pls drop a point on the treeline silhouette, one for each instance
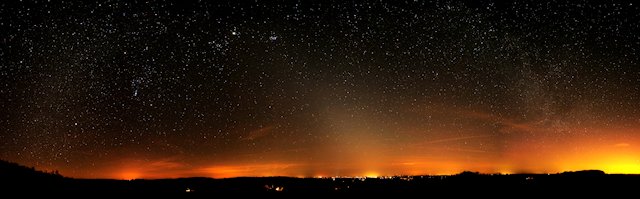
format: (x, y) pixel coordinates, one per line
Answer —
(17, 178)
(10, 170)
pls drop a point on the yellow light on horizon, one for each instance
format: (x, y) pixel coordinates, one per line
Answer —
(611, 162)
(624, 166)
(371, 175)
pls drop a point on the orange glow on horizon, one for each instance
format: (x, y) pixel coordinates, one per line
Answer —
(256, 170)
(129, 175)
(609, 164)
(615, 155)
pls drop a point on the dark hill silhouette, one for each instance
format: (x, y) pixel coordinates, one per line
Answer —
(17, 178)
(10, 170)
(585, 173)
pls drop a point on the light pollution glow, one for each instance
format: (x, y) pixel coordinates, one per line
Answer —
(617, 155)
(463, 140)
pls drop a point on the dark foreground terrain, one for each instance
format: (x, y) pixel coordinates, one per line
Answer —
(16, 178)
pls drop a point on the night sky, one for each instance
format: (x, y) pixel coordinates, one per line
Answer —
(223, 89)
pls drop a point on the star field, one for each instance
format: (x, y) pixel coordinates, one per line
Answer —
(138, 89)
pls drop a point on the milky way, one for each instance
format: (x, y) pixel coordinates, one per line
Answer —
(224, 89)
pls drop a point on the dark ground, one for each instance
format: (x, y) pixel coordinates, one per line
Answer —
(16, 178)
